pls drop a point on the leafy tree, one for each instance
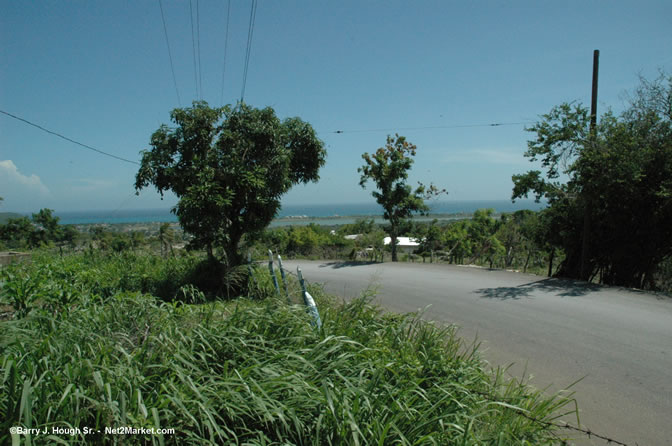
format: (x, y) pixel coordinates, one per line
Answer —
(371, 243)
(68, 236)
(388, 168)
(360, 226)
(138, 239)
(101, 237)
(275, 239)
(302, 240)
(457, 240)
(49, 223)
(41, 229)
(120, 242)
(431, 238)
(481, 230)
(229, 167)
(619, 178)
(16, 232)
(515, 240)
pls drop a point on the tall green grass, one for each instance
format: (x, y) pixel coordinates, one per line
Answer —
(255, 373)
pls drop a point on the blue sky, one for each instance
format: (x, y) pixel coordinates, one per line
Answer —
(98, 72)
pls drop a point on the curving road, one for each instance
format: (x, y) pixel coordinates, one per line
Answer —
(618, 342)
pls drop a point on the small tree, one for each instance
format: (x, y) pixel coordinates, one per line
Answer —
(388, 169)
(481, 230)
(229, 167)
(431, 238)
(49, 223)
(16, 233)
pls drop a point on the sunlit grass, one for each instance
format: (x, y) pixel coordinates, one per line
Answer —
(250, 372)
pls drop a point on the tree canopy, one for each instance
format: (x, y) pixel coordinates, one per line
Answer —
(229, 167)
(388, 168)
(620, 174)
(40, 230)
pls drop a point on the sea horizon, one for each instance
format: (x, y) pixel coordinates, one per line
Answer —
(287, 212)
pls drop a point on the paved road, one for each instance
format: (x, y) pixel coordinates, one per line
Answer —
(618, 341)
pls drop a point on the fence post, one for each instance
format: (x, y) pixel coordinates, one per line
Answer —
(284, 278)
(308, 300)
(270, 268)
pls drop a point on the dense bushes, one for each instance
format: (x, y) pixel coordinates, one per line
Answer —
(249, 372)
(305, 241)
(508, 241)
(54, 280)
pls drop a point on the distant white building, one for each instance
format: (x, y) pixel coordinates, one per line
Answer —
(405, 244)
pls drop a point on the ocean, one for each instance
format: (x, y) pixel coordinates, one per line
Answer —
(301, 213)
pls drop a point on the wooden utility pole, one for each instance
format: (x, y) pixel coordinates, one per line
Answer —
(593, 98)
(585, 245)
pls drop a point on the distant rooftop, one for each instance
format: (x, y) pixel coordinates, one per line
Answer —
(403, 241)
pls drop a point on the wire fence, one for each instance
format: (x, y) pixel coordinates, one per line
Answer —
(563, 425)
(308, 300)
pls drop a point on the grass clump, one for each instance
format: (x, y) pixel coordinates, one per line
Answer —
(256, 373)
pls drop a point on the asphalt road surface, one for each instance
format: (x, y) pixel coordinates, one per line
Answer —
(618, 342)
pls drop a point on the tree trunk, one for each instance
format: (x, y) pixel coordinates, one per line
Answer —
(527, 261)
(550, 263)
(509, 256)
(233, 257)
(393, 242)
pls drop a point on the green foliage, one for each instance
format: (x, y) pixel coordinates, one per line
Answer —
(611, 217)
(41, 230)
(481, 231)
(229, 167)
(303, 241)
(519, 240)
(252, 373)
(105, 240)
(388, 168)
(166, 238)
(17, 233)
(360, 226)
(52, 280)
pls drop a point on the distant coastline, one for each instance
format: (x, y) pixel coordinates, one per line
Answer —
(303, 214)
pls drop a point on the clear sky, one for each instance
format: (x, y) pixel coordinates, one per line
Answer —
(99, 72)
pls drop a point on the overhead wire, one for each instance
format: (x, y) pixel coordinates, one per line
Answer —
(86, 146)
(250, 33)
(454, 126)
(226, 44)
(170, 55)
(193, 47)
(494, 124)
(198, 48)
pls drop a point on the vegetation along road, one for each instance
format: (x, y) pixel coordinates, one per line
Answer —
(618, 341)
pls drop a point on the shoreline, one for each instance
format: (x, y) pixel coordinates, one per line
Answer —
(295, 220)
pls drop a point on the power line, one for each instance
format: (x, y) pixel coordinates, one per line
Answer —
(198, 40)
(226, 44)
(170, 56)
(193, 47)
(250, 33)
(70, 140)
(455, 126)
